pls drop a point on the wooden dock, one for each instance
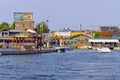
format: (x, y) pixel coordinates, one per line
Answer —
(25, 52)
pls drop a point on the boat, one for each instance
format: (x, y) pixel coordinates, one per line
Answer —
(60, 49)
(69, 48)
(103, 49)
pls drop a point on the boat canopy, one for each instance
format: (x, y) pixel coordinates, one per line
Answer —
(104, 40)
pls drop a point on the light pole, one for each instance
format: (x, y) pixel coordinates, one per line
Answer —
(41, 37)
(48, 36)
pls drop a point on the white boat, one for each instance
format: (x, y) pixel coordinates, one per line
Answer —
(104, 49)
(59, 49)
(69, 48)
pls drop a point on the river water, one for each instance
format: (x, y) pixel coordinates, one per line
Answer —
(72, 65)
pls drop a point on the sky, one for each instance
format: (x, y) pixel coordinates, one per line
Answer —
(65, 13)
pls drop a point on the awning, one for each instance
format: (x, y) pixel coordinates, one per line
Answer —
(22, 35)
(104, 40)
(31, 31)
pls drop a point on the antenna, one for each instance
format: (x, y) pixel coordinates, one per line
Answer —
(80, 27)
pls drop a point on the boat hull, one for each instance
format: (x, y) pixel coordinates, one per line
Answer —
(104, 50)
(60, 49)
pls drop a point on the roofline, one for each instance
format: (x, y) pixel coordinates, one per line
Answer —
(104, 40)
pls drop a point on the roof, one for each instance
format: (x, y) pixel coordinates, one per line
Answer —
(104, 40)
(71, 37)
(6, 38)
(116, 37)
(104, 37)
(14, 30)
(109, 28)
(113, 29)
(22, 35)
(4, 30)
(26, 34)
(66, 29)
(31, 31)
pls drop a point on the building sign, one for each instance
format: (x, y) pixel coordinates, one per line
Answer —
(63, 33)
(23, 16)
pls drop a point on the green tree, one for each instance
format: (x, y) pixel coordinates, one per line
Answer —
(13, 26)
(95, 34)
(4, 25)
(42, 27)
(38, 28)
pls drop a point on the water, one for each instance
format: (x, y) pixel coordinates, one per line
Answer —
(72, 65)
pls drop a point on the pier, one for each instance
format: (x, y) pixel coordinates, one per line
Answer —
(25, 52)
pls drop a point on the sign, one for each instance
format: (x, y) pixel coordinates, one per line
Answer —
(23, 16)
(18, 16)
(63, 33)
(27, 16)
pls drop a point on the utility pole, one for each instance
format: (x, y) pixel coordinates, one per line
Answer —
(41, 36)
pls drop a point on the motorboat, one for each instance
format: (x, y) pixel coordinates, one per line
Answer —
(60, 49)
(104, 49)
(69, 48)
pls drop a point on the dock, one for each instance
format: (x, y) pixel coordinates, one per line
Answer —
(25, 52)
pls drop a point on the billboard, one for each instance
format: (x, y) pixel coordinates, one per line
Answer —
(23, 16)
(27, 16)
(18, 16)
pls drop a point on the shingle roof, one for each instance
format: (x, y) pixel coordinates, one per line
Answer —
(113, 29)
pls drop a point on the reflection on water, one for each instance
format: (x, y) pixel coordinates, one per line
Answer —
(72, 65)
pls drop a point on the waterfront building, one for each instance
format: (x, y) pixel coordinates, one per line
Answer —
(107, 36)
(20, 39)
(4, 33)
(23, 21)
(24, 25)
(79, 41)
(76, 32)
(75, 38)
(66, 33)
(109, 31)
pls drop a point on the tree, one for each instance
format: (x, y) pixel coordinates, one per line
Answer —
(42, 27)
(4, 25)
(13, 26)
(95, 34)
(38, 28)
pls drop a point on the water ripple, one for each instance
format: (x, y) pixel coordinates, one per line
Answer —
(72, 65)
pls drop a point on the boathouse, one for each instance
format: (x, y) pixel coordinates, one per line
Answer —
(79, 41)
(111, 43)
(21, 40)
